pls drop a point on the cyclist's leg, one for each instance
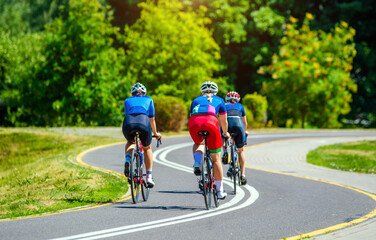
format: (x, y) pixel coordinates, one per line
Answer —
(146, 139)
(195, 125)
(127, 129)
(148, 159)
(224, 150)
(214, 143)
(241, 156)
(240, 141)
(217, 166)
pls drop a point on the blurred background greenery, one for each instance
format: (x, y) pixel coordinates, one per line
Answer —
(295, 63)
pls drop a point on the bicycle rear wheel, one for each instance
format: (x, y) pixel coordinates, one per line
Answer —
(144, 189)
(214, 190)
(206, 191)
(134, 177)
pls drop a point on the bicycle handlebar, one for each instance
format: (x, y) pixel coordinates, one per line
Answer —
(159, 141)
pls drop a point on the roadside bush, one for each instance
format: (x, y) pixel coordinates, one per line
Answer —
(258, 105)
(170, 113)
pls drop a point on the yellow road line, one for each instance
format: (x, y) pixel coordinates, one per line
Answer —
(331, 228)
(310, 234)
(81, 163)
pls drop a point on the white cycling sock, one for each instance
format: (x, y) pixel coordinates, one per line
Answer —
(197, 156)
(148, 174)
(219, 185)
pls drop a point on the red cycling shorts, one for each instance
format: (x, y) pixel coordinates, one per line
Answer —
(208, 123)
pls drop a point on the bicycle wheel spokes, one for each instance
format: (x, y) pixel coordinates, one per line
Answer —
(238, 171)
(134, 176)
(233, 166)
(210, 181)
(213, 188)
(205, 183)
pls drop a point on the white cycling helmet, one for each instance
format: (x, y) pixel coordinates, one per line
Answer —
(209, 87)
(138, 87)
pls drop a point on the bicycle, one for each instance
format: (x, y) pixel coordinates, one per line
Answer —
(206, 180)
(234, 162)
(137, 172)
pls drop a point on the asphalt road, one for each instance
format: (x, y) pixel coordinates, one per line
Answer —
(271, 206)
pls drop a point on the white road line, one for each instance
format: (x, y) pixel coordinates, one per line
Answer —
(160, 157)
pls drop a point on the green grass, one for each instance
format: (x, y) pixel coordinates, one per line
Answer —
(355, 156)
(36, 176)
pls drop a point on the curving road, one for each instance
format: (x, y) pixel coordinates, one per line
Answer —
(275, 204)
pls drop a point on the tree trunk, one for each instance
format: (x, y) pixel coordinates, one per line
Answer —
(303, 118)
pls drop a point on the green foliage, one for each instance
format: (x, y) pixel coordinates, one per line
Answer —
(20, 17)
(311, 74)
(11, 17)
(177, 51)
(82, 81)
(229, 20)
(258, 105)
(170, 113)
(20, 58)
(267, 20)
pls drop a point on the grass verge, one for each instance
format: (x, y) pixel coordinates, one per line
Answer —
(36, 176)
(354, 156)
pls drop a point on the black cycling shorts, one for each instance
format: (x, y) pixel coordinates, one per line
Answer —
(140, 123)
(235, 126)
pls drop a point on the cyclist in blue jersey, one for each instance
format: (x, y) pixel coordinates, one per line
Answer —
(203, 112)
(139, 116)
(237, 124)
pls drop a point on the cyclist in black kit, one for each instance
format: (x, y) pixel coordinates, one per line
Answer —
(237, 124)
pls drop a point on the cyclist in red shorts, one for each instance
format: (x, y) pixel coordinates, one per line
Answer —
(203, 112)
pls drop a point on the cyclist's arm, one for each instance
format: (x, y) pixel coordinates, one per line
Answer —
(223, 123)
(244, 119)
(153, 126)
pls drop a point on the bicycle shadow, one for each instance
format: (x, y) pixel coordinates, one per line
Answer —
(180, 192)
(166, 208)
(139, 205)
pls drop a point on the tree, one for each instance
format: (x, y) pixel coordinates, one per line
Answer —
(311, 80)
(25, 16)
(170, 45)
(361, 16)
(82, 79)
(20, 58)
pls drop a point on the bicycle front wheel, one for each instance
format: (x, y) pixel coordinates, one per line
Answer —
(134, 177)
(233, 166)
(238, 171)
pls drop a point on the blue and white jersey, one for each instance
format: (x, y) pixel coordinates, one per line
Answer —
(208, 106)
(235, 110)
(139, 104)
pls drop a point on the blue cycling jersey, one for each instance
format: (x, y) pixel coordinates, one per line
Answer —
(235, 109)
(208, 105)
(139, 104)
